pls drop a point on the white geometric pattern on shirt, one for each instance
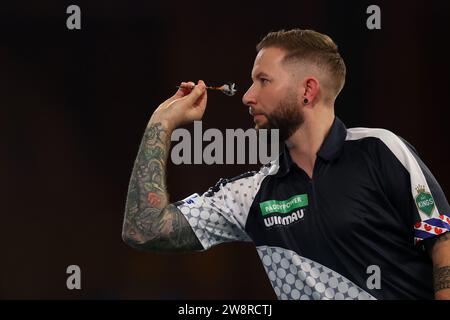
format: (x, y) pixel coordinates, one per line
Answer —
(210, 227)
(221, 217)
(297, 278)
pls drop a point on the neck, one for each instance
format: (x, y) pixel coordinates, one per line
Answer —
(304, 144)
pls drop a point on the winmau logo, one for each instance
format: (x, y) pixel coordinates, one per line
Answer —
(278, 209)
(277, 220)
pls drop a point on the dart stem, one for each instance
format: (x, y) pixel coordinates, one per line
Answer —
(212, 88)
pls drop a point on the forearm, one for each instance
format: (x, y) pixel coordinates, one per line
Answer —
(441, 269)
(442, 282)
(150, 222)
(147, 191)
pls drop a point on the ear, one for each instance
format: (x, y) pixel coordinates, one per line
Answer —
(310, 91)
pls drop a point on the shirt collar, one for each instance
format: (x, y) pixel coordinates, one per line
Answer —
(330, 149)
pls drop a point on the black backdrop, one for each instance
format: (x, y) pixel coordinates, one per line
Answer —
(74, 105)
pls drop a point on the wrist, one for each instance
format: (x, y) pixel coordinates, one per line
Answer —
(166, 123)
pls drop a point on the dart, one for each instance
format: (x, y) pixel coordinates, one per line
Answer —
(229, 88)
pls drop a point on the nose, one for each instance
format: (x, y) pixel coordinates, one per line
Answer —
(248, 98)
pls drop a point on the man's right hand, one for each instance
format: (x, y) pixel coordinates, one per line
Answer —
(185, 106)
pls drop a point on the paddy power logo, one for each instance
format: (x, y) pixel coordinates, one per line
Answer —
(284, 212)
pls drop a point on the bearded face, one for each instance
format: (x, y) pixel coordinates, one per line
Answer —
(287, 117)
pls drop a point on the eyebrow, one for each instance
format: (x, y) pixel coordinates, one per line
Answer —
(261, 74)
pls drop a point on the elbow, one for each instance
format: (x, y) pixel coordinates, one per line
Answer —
(131, 240)
(131, 236)
(139, 242)
(128, 239)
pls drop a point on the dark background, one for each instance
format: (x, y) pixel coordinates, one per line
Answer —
(74, 106)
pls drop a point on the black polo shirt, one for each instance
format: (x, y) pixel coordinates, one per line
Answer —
(353, 231)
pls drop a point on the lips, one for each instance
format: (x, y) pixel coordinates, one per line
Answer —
(252, 112)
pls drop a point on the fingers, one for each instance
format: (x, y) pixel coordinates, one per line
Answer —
(184, 91)
(198, 90)
(187, 86)
(202, 83)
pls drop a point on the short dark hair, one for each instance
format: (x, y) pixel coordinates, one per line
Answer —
(310, 45)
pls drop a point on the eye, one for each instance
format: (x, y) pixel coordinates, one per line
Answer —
(264, 80)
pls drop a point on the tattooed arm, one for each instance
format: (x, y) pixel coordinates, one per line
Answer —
(150, 222)
(440, 254)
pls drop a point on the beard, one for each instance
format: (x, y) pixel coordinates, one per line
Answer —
(287, 116)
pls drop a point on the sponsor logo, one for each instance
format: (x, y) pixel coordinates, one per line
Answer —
(424, 200)
(284, 212)
(286, 220)
(283, 206)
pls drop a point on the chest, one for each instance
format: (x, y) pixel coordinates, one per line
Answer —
(298, 212)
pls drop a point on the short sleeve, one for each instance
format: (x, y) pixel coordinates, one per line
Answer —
(219, 215)
(432, 205)
(415, 188)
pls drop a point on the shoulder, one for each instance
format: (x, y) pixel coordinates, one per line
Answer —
(381, 143)
(228, 182)
(248, 180)
(370, 137)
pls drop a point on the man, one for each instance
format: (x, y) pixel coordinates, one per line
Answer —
(340, 214)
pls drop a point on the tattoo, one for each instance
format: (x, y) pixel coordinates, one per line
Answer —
(150, 222)
(441, 278)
